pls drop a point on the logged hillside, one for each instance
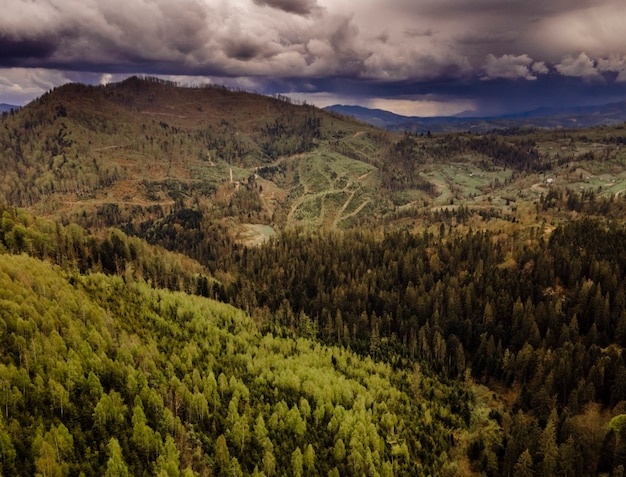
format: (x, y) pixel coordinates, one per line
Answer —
(147, 155)
(148, 147)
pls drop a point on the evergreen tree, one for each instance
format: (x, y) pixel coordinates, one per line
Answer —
(548, 447)
(297, 463)
(116, 467)
(524, 465)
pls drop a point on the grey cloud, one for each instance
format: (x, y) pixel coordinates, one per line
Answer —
(188, 36)
(112, 32)
(403, 46)
(20, 49)
(300, 7)
(486, 37)
(580, 67)
(509, 67)
(242, 50)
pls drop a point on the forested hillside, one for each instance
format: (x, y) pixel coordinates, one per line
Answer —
(197, 281)
(105, 376)
(545, 320)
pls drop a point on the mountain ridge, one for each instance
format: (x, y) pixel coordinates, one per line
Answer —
(147, 143)
(570, 117)
(5, 108)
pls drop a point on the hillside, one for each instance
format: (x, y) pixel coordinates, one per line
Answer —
(148, 154)
(149, 145)
(351, 302)
(101, 376)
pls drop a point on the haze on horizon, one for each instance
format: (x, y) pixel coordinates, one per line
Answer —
(424, 58)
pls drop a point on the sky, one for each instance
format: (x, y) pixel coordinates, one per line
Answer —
(412, 57)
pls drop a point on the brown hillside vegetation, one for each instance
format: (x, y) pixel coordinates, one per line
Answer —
(146, 143)
(145, 149)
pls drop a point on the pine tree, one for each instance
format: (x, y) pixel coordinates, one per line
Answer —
(524, 465)
(309, 459)
(222, 455)
(297, 463)
(548, 447)
(168, 464)
(116, 467)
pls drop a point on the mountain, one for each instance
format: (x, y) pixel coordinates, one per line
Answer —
(151, 145)
(376, 117)
(574, 117)
(154, 156)
(468, 113)
(198, 281)
(7, 107)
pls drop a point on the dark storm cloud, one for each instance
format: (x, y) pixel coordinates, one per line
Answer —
(319, 38)
(18, 50)
(242, 50)
(301, 7)
(487, 37)
(398, 48)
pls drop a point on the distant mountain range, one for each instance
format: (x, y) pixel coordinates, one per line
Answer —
(7, 107)
(574, 117)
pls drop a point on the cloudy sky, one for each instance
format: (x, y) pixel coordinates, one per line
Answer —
(414, 57)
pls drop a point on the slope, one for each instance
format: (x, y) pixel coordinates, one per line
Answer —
(98, 374)
(148, 145)
(157, 160)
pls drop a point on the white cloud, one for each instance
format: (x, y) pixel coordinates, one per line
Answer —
(20, 85)
(581, 67)
(614, 64)
(540, 68)
(106, 78)
(509, 67)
